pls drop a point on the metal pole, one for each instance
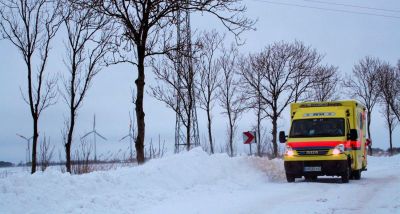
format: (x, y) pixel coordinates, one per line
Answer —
(250, 150)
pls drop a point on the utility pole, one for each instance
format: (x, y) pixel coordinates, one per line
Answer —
(184, 65)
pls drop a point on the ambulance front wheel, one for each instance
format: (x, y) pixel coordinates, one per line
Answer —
(346, 175)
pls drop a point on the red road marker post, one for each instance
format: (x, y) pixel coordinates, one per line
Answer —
(249, 138)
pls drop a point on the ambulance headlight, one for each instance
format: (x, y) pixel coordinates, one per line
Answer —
(339, 149)
(289, 151)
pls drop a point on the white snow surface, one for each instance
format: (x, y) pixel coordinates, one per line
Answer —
(195, 182)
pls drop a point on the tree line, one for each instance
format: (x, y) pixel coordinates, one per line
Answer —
(376, 82)
(141, 33)
(98, 33)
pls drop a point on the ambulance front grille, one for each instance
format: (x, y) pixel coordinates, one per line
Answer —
(312, 151)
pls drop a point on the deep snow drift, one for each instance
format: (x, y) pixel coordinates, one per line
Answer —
(194, 182)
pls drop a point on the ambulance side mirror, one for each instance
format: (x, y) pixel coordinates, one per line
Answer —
(282, 137)
(353, 135)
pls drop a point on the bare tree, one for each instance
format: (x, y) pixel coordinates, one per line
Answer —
(46, 153)
(143, 23)
(387, 85)
(209, 68)
(156, 151)
(30, 26)
(363, 86)
(304, 75)
(230, 99)
(82, 163)
(251, 87)
(395, 97)
(278, 67)
(87, 44)
(324, 84)
(391, 123)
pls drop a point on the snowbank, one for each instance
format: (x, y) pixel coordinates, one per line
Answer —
(192, 175)
(194, 182)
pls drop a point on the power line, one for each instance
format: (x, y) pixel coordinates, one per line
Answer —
(328, 9)
(353, 6)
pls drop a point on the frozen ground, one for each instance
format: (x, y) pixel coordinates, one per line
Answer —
(194, 182)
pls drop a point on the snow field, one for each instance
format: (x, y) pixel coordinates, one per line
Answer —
(130, 189)
(194, 182)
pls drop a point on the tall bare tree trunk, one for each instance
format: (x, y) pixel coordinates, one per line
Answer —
(390, 128)
(139, 144)
(274, 135)
(231, 137)
(34, 143)
(35, 117)
(258, 136)
(188, 128)
(71, 127)
(209, 131)
(69, 140)
(391, 140)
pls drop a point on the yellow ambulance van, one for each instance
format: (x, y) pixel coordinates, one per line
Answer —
(326, 138)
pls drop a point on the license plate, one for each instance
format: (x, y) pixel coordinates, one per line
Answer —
(312, 169)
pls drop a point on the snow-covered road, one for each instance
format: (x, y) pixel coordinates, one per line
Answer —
(194, 182)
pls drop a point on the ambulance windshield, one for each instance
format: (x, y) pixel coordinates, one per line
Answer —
(318, 127)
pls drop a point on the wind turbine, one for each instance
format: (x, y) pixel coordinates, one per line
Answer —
(130, 135)
(95, 133)
(28, 149)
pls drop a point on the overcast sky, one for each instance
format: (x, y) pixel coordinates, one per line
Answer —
(343, 34)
